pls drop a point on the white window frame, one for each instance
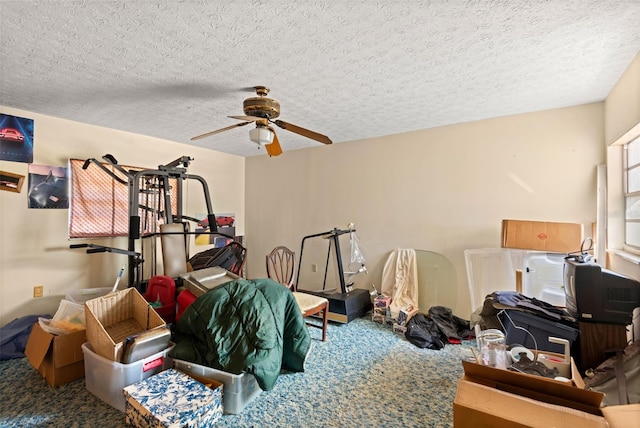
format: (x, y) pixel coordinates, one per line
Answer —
(629, 170)
(627, 258)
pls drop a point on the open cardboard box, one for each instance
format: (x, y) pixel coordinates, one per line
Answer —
(58, 359)
(490, 397)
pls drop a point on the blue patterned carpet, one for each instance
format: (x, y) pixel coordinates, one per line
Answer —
(364, 375)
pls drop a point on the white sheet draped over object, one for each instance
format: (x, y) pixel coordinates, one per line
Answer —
(400, 280)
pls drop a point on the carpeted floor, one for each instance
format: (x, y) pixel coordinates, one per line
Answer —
(364, 375)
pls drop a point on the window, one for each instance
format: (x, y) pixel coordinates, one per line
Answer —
(99, 204)
(631, 165)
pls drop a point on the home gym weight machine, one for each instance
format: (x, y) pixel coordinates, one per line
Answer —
(154, 185)
(349, 303)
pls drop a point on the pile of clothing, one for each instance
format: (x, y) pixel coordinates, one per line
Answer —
(437, 327)
(487, 315)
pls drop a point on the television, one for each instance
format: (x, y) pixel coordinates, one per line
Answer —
(595, 294)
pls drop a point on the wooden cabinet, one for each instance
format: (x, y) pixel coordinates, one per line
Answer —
(596, 339)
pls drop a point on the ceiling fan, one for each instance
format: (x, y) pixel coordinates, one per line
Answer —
(263, 111)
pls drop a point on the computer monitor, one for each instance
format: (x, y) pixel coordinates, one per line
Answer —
(595, 294)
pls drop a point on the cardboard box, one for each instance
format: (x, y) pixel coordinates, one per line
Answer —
(541, 236)
(477, 405)
(623, 416)
(116, 316)
(490, 397)
(191, 403)
(59, 359)
(405, 314)
(382, 301)
(536, 387)
(381, 316)
(399, 329)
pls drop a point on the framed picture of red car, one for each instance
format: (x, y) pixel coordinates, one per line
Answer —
(225, 223)
(11, 182)
(16, 138)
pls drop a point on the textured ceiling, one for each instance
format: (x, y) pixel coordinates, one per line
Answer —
(350, 69)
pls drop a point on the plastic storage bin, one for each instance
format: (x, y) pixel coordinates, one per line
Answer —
(238, 390)
(106, 379)
(81, 296)
(68, 318)
(518, 323)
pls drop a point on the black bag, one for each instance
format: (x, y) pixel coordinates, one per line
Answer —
(452, 327)
(229, 257)
(423, 332)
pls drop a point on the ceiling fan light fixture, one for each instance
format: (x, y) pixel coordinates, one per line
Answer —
(261, 136)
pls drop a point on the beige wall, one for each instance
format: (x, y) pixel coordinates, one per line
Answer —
(443, 190)
(622, 106)
(34, 245)
(622, 125)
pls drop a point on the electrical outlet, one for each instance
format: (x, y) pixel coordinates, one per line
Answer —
(314, 267)
(38, 291)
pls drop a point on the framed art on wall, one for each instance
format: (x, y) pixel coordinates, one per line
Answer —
(225, 224)
(11, 182)
(16, 138)
(48, 187)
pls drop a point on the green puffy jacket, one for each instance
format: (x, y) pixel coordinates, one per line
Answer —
(252, 326)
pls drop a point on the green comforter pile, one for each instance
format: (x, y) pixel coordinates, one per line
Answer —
(252, 326)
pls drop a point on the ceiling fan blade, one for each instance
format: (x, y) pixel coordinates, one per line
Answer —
(273, 149)
(304, 132)
(249, 118)
(219, 130)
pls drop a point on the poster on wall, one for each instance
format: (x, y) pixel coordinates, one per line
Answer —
(48, 187)
(16, 138)
(226, 225)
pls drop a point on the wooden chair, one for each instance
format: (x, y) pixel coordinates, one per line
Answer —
(281, 268)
